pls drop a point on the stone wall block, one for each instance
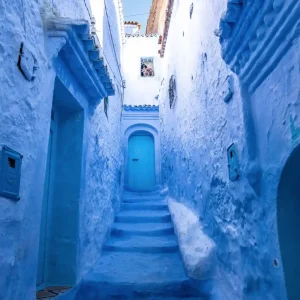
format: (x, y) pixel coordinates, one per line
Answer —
(233, 12)
(269, 19)
(225, 29)
(261, 31)
(245, 56)
(253, 44)
(278, 5)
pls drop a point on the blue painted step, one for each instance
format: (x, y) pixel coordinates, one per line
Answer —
(142, 200)
(143, 244)
(143, 229)
(139, 276)
(151, 205)
(142, 197)
(139, 216)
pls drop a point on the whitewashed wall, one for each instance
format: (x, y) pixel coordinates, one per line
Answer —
(141, 90)
(241, 216)
(196, 133)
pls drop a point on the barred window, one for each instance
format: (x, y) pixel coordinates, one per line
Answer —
(147, 67)
(106, 107)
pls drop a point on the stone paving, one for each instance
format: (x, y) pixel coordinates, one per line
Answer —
(51, 292)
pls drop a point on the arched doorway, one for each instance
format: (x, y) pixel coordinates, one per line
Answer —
(288, 219)
(141, 161)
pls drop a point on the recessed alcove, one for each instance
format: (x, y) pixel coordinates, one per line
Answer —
(288, 211)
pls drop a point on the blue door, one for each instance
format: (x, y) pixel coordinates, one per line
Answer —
(141, 162)
(45, 205)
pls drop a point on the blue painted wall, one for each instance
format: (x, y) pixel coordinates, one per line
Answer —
(87, 185)
(240, 216)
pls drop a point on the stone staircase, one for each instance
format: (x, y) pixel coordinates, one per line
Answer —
(141, 260)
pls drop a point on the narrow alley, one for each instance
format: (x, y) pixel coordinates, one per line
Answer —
(149, 149)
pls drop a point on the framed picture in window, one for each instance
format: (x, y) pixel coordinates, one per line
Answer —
(147, 67)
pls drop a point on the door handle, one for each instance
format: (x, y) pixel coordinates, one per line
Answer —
(135, 159)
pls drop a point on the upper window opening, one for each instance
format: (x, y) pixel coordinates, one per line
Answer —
(191, 10)
(147, 67)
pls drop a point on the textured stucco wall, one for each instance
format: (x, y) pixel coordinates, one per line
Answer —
(274, 104)
(196, 133)
(104, 156)
(25, 113)
(240, 217)
(25, 117)
(141, 90)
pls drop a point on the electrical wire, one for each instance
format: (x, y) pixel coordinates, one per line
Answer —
(147, 13)
(87, 8)
(107, 61)
(111, 37)
(24, 19)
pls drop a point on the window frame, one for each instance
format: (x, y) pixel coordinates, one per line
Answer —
(144, 60)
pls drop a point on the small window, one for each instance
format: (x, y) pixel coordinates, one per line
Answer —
(12, 162)
(147, 67)
(191, 10)
(106, 107)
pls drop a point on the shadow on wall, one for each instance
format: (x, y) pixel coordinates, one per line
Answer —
(288, 219)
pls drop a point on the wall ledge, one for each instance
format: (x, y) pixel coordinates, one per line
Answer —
(137, 35)
(141, 108)
(198, 251)
(255, 35)
(82, 56)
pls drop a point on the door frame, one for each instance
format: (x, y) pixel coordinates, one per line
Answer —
(48, 191)
(69, 115)
(154, 132)
(137, 180)
(288, 231)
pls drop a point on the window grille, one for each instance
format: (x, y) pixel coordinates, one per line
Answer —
(233, 163)
(147, 67)
(191, 10)
(172, 91)
(106, 107)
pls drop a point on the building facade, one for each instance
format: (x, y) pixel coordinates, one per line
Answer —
(142, 69)
(157, 17)
(55, 74)
(203, 111)
(140, 118)
(229, 140)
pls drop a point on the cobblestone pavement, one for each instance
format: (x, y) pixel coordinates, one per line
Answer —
(51, 292)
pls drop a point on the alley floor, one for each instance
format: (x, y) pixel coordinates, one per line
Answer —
(51, 292)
